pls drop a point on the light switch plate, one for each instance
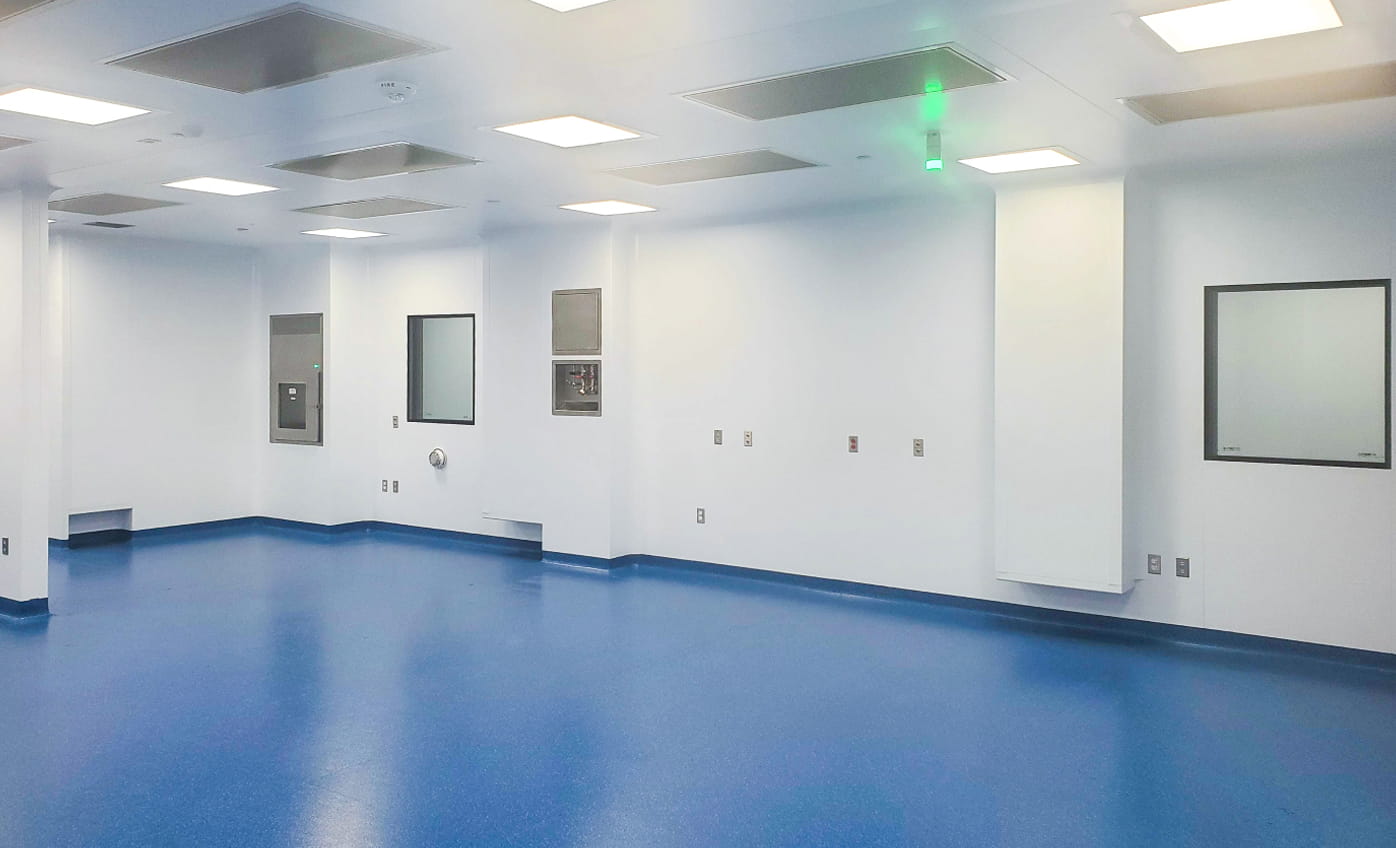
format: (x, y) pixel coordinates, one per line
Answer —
(1155, 564)
(918, 447)
(1184, 566)
(717, 437)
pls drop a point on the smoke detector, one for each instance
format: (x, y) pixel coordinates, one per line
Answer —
(397, 92)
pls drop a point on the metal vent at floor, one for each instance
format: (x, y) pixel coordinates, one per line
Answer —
(382, 160)
(376, 207)
(1350, 84)
(927, 71)
(291, 45)
(109, 225)
(102, 205)
(712, 168)
(6, 142)
(10, 8)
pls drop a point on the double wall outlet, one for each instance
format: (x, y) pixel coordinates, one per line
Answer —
(395, 422)
(852, 444)
(385, 485)
(5, 546)
(702, 515)
(918, 448)
(395, 487)
(746, 438)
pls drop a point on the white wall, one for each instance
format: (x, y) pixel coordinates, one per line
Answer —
(159, 370)
(1059, 386)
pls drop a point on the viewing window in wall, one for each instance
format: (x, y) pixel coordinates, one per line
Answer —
(1300, 373)
(441, 369)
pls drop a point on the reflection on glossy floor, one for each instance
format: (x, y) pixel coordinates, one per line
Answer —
(272, 687)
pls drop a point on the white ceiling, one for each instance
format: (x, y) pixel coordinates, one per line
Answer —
(625, 62)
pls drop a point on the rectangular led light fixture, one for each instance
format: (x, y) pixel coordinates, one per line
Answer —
(568, 5)
(66, 107)
(609, 207)
(214, 185)
(568, 131)
(1240, 21)
(339, 233)
(1024, 160)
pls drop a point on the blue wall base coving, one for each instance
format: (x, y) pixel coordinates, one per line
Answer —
(37, 608)
(620, 566)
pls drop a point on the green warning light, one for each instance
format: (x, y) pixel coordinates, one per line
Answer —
(935, 164)
(317, 366)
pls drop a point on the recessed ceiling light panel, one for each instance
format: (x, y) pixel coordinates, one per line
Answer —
(608, 207)
(382, 160)
(569, 131)
(289, 46)
(569, 5)
(1240, 21)
(340, 233)
(930, 71)
(1024, 160)
(104, 205)
(66, 107)
(215, 185)
(712, 168)
(376, 207)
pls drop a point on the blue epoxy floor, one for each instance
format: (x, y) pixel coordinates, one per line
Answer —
(274, 688)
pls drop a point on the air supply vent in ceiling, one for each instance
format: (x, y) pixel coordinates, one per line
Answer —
(108, 225)
(377, 207)
(383, 160)
(1350, 84)
(931, 70)
(291, 45)
(10, 8)
(102, 205)
(6, 142)
(712, 168)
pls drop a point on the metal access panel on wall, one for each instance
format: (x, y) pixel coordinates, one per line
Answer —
(577, 388)
(297, 379)
(577, 322)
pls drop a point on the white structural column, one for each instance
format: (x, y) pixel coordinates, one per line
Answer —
(26, 428)
(1059, 387)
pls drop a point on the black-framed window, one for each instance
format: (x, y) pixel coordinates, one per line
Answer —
(441, 369)
(1299, 373)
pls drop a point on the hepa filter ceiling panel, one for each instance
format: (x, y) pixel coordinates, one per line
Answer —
(931, 70)
(102, 205)
(712, 168)
(289, 46)
(1350, 84)
(10, 8)
(377, 207)
(382, 160)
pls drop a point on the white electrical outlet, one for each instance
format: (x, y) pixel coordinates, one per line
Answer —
(395, 487)
(746, 438)
(918, 447)
(385, 485)
(852, 444)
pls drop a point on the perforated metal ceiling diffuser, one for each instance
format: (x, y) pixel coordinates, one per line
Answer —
(1350, 84)
(107, 204)
(928, 71)
(382, 160)
(713, 167)
(291, 45)
(10, 8)
(376, 207)
(6, 142)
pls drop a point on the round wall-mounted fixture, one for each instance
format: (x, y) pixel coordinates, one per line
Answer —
(437, 458)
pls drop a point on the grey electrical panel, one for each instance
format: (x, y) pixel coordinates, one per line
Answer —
(577, 322)
(297, 379)
(577, 388)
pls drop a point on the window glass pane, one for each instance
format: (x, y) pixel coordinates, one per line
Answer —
(444, 361)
